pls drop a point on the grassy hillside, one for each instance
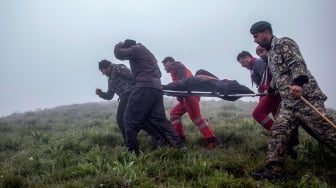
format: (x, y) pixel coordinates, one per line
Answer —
(81, 146)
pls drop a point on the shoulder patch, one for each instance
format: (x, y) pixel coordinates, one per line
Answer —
(285, 48)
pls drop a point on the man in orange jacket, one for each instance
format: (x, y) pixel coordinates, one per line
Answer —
(187, 104)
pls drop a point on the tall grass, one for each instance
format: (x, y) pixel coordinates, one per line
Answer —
(81, 146)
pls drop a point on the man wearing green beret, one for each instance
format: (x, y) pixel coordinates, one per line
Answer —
(293, 80)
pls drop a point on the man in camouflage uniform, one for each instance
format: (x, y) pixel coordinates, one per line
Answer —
(293, 80)
(120, 83)
(270, 104)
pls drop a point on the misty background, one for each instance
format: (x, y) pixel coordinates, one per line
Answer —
(50, 49)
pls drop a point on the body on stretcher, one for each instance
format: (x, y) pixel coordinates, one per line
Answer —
(230, 97)
(202, 86)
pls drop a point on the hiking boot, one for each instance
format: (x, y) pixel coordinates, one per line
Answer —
(267, 174)
(212, 143)
(273, 172)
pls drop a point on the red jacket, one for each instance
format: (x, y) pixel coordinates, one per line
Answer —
(179, 71)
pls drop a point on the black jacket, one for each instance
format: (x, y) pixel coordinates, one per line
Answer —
(144, 67)
(119, 81)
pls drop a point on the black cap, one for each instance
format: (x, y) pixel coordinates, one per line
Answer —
(104, 64)
(259, 27)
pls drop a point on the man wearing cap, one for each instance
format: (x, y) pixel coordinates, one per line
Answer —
(188, 104)
(120, 83)
(291, 77)
(145, 103)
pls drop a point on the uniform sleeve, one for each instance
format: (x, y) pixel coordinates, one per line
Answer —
(107, 95)
(122, 53)
(292, 57)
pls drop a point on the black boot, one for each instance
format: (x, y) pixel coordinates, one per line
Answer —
(272, 172)
(212, 143)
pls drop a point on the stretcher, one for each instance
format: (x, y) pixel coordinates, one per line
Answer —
(230, 97)
(206, 84)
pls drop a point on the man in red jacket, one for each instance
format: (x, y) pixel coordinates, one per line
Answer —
(268, 103)
(188, 104)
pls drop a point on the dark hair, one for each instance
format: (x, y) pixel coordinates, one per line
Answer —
(104, 64)
(243, 54)
(168, 58)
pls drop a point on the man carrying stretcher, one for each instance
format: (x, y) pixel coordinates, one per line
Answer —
(187, 104)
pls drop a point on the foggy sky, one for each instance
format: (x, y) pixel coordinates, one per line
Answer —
(49, 49)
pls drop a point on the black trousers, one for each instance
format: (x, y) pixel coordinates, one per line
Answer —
(120, 113)
(157, 139)
(145, 109)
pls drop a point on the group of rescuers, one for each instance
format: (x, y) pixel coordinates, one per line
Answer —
(280, 73)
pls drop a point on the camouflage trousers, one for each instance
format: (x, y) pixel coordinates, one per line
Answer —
(289, 119)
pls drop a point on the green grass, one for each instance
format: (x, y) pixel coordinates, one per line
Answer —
(81, 146)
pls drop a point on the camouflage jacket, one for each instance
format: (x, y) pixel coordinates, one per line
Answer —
(119, 81)
(287, 64)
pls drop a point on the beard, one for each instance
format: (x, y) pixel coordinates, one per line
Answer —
(265, 45)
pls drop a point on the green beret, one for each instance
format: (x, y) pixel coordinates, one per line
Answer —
(259, 27)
